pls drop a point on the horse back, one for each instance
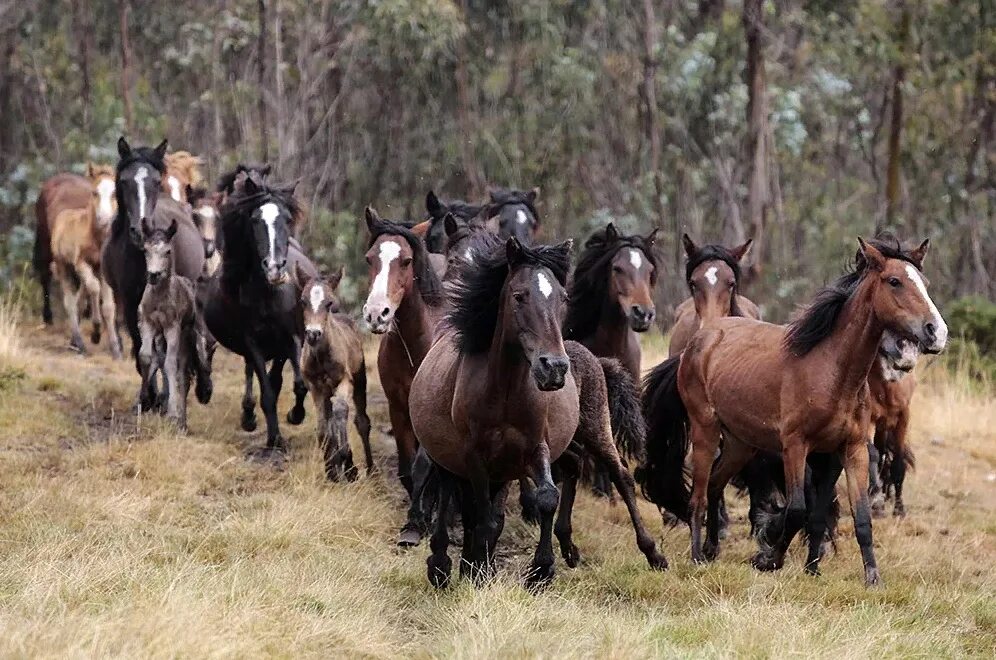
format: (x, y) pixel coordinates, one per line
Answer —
(188, 247)
(58, 193)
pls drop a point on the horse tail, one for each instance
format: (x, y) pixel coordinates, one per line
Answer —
(662, 476)
(625, 415)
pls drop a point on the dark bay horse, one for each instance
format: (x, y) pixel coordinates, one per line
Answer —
(497, 398)
(253, 307)
(137, 186)
(511, 212)
(461, 212)
(403, 304)
(791, 391)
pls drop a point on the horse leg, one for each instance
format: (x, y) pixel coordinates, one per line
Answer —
(439, 565)
(45, 279)
(705, 438)
(202, 356)
(70, 301)
(874, 481)
(404, 436)
(856, 468)
(276, 376)
(826, 470)
(898, 472)
(322, 413)
(147, 366)
(268, 399)
(425, 488)
(568, 468)
(91, 285)
(341, 457)
(732, 459)
(794, 457)
(171, 367)
(296, 414)
(108, 311)
(468, 519)
(527, 501)
(362, 421)
(480, 488)
(547, 496)
(248, 401)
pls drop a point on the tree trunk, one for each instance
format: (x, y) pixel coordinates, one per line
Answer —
(264, 142)
(651, 124)
(475, 181)
(124, 10)
(83, 30)
(278, 73)
(219, 137)
(758, 159)
(893, 168)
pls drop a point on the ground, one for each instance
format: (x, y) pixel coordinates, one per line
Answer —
(120, 538)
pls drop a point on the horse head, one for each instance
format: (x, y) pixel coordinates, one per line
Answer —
(138, 179)
(712, 273)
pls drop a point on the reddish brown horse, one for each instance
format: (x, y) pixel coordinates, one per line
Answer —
(182, 173)
(790, 391)
(497, 398)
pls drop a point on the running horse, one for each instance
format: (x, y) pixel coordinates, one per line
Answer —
(461, 212)
(138, 181)
(182, 172)
(791, 391)
(497, 398)
(511, 212)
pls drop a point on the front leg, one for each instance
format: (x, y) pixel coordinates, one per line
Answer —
(268, 401)
(568, 469)
(856, 469)
(147, 366)
(547, 496)
(900, 462)
(172, 372)
(296, 414)
(248, 400)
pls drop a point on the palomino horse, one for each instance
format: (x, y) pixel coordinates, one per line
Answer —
(137, 185)
(333, 354)
(789, 391)
(462, 213)
(65, 191)
(182, 172)
(497, 398)
(205, 206)
(253, 307)
(77, 236)
(712, 273)
(512, 212)
(403, 305)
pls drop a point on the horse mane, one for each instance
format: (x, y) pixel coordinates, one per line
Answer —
(504, 196)
(463, 231)
(475, 294)
(717, 253)
(460, 209)
(590, 283)
(195, 194)
(226, 182)
(95, 171)
(818, 319)
(140, 154)
(186, 162)
(428, 283)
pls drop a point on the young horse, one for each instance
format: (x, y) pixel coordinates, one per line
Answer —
(712, 273)
(497, 398)
(77, 236)
(403, 305)
(182, 172)
(204, 205)
(513, 213)
(137, 186)
(462, 213)
(333, 353)
(253, 308)
(788, 391)
(168, 314)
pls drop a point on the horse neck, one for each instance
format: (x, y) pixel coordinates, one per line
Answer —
(508, 369)
(612, 332)
(853, 346)
(414, 325)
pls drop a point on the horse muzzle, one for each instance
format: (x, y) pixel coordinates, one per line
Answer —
(933, 336)
(209, 249)
(378, 317)
(550, 372)
(154, 278)
(640, 318)
(312, 335)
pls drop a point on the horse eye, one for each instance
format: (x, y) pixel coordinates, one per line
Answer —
(617, 269)
(894, 282)
(369, 260)
(519, 296)
(406, 262)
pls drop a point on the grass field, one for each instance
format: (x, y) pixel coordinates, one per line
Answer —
(120, 538)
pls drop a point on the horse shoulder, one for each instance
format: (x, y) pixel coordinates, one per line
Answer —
(748, 309)
(685, 324)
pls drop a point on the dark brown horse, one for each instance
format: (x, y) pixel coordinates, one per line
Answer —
(497, 398)
(461, 212)
(793, 392)
(511, 212)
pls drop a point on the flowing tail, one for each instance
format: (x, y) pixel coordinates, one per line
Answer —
(625, 416)
(662, 477)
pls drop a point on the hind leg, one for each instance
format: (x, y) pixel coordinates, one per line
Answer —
(898, 472)
(296, 414)
(794, 457)
(248, 401)
(91, 286)
(70, 301)
(732, 459)
(338, 455)
(541, 572)
(826, 471)
(108, 311)
(568, 468)
(362, 421)
(439, 565)
(875, 482)
(527, 501)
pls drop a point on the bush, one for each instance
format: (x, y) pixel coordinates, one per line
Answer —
(974, 319)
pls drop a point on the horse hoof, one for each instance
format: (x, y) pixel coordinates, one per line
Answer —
(540, 577)
(272, 456)
(657, 561)
(765, 562)
(812, 569)
(76, 344)
(248, 422)
(873, 578)
(409, 537)
(95, 337)
(899, 511)
(295, 416)
(203, 390)
(572, 557)
(438, 570)
(530, 514)
(710, 552)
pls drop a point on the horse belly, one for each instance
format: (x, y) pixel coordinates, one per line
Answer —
(430, 404)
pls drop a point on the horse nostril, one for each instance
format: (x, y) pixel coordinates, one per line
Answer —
(384, 312)
(283, 264)
(544, 362)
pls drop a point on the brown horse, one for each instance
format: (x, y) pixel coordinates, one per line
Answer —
(712, 273)
(511, 212)
(497, 399)
(77, 236)
(333, 354)
(789, 391)
(403, 305)
(182, 172)
(205, 207)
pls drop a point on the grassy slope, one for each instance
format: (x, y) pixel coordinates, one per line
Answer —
(119, 538)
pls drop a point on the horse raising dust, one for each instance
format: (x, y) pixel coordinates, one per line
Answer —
(790, 391)
(333, 354)
(173, 336)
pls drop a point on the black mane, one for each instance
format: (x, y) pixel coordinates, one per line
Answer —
(234, 216)
(460, 209)
(475, 295)
(818, 319)
(590, 283)
(429, 284)
(226, 182)
(504, 196)
(717, 253)
(141, 154)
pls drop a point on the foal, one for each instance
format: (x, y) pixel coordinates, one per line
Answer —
(332, 354)
(173, 336)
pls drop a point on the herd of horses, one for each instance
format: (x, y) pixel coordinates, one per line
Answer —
(500, 362)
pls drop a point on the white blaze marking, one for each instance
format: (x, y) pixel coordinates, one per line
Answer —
(317, 296)
(174, 188)
(270, 213)
(710, 275)
(544, 284)
(389, 251)
(521, 217)
(469, 255)
(140, 177)
(206, 211)
(940, 327)
(105, 194)
(635, 258)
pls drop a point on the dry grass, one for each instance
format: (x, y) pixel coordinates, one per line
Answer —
(119, 538)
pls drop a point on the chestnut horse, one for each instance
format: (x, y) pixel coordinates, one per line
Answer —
(511, 212)
(791, 391)
(403, 305)
(77, 236)
(461, 212)
(182, 172)
(497, 399)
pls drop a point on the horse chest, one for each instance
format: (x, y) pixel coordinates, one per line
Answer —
(320, 370)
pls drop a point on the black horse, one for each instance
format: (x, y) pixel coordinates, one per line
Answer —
(253, 307)
(138, 182)
(513, 213)
(462, 212)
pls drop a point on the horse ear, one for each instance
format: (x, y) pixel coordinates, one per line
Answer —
(171, 230)
(160, 150)
(124, 149)
(741, 251)
(533, 194)
(432, 204)
(611, 233)
(873, 258)
(690, 247)
(373, 218)
(918, 254)
(513, 250)
(291, 187)
(422, 228)
(450, 224)
(651, 238)
(336, 277)
(265, 170)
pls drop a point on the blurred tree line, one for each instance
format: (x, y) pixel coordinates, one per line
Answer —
(801, 123)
